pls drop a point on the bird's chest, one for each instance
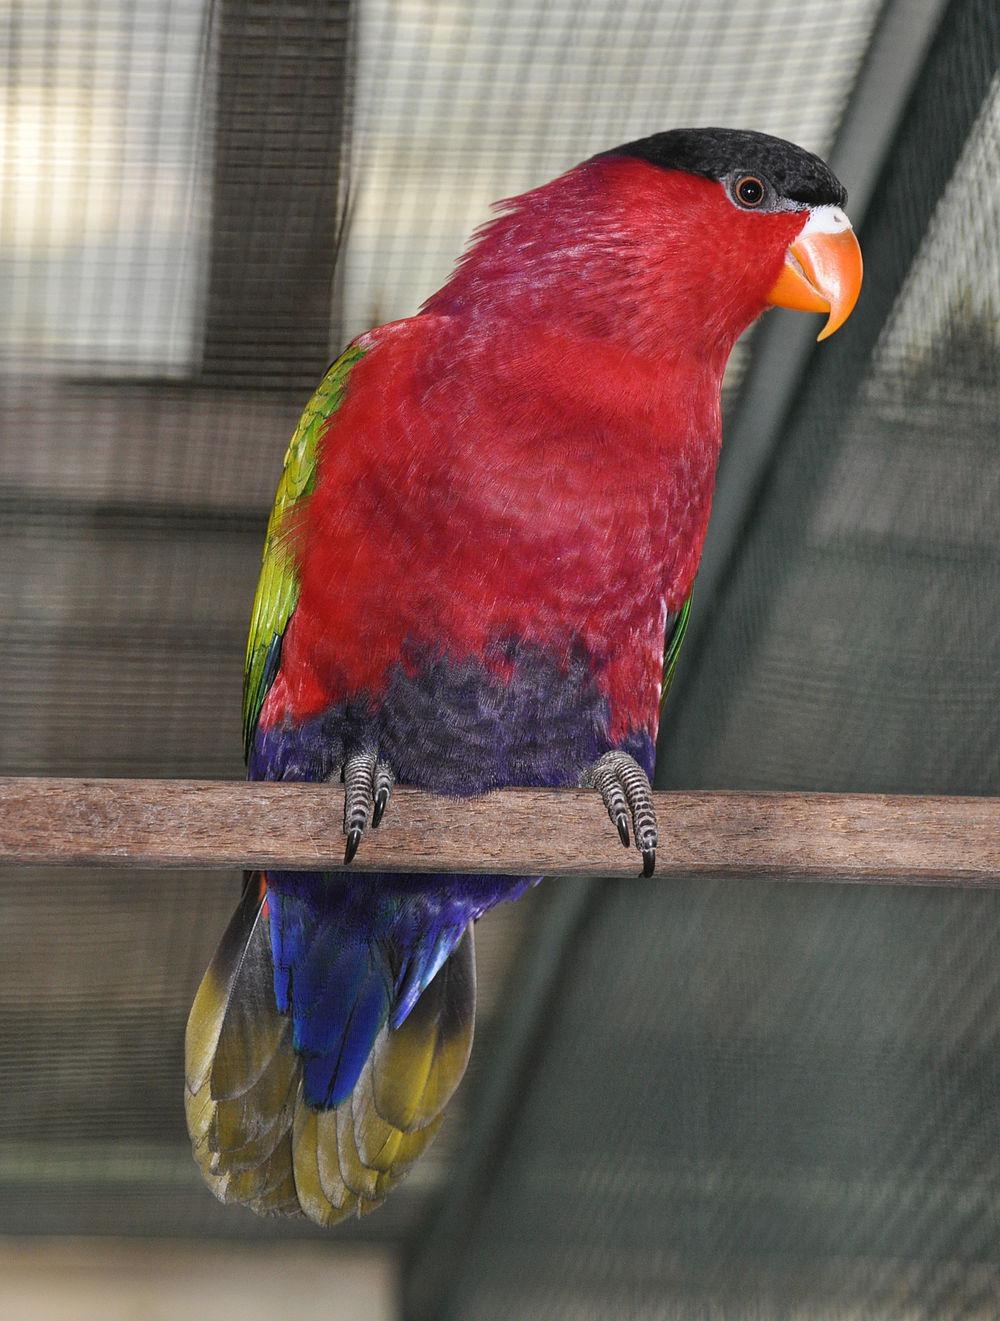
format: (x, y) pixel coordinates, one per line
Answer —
(595, 546)
(517, 587)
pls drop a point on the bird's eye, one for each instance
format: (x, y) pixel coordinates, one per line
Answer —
(749, 190)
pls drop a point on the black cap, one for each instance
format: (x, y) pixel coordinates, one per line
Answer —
(722, 153)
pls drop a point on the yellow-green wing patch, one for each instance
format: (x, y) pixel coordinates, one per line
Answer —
(673, 649)
(278, 587)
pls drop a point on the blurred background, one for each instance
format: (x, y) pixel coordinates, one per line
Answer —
(711, 1099)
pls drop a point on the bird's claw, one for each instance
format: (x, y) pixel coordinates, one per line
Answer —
(621, 821)
(626, 791)
(353, 840)
(381, 789)
(367, 785)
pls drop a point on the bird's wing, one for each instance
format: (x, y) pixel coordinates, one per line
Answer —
(278, 587)
(672, 650)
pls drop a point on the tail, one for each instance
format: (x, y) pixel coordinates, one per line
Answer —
(318, 1074)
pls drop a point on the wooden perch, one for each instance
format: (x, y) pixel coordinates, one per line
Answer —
(564, 832)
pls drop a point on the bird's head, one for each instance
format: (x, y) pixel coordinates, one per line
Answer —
(675, 242)
(751, 213)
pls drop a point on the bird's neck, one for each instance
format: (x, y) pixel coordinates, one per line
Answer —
(597, 256)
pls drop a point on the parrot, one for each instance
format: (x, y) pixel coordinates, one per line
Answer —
(477, 573)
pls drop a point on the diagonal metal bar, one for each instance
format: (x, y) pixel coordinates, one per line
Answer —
(784, 341)
(923, 160)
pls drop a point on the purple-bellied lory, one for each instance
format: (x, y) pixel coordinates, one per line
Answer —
(477, 574)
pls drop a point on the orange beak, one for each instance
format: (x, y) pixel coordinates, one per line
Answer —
(822, 271)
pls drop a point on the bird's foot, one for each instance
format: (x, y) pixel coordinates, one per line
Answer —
(626, 791)
(368, 783)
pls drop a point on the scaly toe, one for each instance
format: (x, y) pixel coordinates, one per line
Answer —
(605, 776)
(358, 773)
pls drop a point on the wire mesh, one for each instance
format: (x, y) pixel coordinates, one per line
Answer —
(104, 208)
(755, 1101)
(736, 1067)
(783, 1101)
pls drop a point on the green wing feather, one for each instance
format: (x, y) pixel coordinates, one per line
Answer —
(673, 649)
(278, 587)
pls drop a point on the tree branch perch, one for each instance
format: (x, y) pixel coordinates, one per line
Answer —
(564, 832)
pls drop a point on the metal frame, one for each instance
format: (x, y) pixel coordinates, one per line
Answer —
(267, 322)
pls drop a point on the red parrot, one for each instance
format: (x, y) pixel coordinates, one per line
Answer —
(477, 574)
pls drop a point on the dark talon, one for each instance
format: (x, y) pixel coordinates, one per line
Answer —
(381, 799)
(625, 790)
(621, 821)
(353, 840)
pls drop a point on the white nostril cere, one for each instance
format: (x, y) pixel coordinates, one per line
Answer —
(825, 220)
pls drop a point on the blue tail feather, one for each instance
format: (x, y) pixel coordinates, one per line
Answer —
(349, 1025)
(352, 952)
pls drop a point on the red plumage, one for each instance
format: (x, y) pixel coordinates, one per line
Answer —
(534, 455)
(507, 502)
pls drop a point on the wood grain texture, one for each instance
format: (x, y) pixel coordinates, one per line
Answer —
(566, 832)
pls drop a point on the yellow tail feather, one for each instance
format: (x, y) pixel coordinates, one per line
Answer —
(255, 1140)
